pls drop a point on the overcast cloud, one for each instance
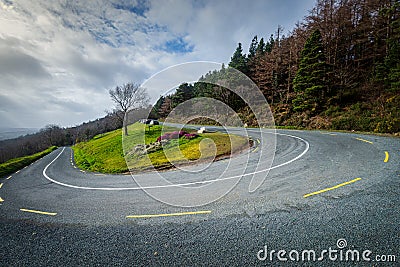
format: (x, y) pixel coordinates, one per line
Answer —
(59, 58)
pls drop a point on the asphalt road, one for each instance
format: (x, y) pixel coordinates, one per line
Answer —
(319, 187)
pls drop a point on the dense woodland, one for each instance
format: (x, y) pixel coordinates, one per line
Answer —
(338, 69)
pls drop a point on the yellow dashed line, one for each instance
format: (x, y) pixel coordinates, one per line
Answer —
(82, 171)
(1, 200)
(9, 177)
(170, 214)
(1, 185)
(331, 188)
(39, 212)
(256, 149)
(369, 142)
(18, 171)
(386, 157)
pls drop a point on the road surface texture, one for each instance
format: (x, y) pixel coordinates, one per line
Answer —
(327, 192)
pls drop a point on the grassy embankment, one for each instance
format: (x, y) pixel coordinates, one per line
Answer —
(104, 153)
(16, 164)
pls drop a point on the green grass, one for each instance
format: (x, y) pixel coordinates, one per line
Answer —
(105, 153)
(102, 154)
(16, 164)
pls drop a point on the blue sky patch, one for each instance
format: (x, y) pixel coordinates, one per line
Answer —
(141, 7)
(177, 45)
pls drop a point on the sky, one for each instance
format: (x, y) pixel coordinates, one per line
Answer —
(59, 58)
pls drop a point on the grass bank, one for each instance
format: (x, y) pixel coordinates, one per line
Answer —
(16, 164)
(105, 153)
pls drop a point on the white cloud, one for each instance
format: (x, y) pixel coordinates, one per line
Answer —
(59, 58)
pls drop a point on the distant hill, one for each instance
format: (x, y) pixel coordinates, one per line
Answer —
(10, 133)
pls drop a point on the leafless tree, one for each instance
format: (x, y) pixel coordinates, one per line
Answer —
(53, 134)
(127, 97)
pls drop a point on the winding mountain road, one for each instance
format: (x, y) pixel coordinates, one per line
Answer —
(320, 187)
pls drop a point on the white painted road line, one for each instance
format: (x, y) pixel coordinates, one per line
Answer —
(176, 185)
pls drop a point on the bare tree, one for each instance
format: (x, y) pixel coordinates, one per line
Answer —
(127, 97)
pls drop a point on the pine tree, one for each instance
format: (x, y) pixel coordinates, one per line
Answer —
(310, 80)
(183, 92)
(238, 60)
(270, 44)
(392, 60)
(253, 48)
(261, 47)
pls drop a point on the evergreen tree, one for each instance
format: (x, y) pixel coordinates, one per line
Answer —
(310, 83)
(270, 44)
(390, 69)
(393, 61)
(261, 47)
(183, 93)
(253, 48)
(238, 60)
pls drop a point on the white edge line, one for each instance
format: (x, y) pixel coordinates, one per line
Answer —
(173, 185)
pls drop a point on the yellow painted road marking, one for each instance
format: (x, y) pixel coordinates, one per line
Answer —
(1, 185)
(386, 157)
(99, 174)
(39, 212)
(18, 171)
(256, 149)
(82, 171)
(360, 139)
(332, 134)
(9, 177)
(170, 214)
(1, 200)
(331, 188)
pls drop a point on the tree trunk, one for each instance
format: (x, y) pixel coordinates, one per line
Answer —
(125, 124)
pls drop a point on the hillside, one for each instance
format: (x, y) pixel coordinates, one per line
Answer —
(104, 153)
(10, 133)
(338, 69)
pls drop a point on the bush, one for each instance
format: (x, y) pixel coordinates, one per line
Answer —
(332, 111)
(388, 125)
(353, 122)
(190, 135)
(170, 136)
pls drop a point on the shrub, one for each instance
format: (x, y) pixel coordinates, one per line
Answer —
(190, 135)
(173, 135)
